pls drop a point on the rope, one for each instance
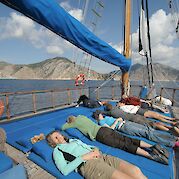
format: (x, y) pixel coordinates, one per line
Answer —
(174, 9)
(106, 81)
(166, 92)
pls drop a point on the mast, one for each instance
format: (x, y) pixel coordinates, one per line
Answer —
(127, 49)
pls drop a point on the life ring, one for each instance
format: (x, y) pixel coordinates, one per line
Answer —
(1, 107)
(80, 77)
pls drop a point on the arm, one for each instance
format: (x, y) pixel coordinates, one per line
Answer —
(114, 124)
(62, 164)
(160, 108)
(67, 126)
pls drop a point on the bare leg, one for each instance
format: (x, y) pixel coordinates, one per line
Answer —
(161, 126)
(131, 170)
(142, 152)
(177, 130)
(145, 144)
(158, 116)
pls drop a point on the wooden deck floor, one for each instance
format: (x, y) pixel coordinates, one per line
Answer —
(33, 170)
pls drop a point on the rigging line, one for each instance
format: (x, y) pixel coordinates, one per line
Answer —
(171, 80)
(172, 9)
(98, 10)
(106, 81)
(166, 92)
(142, 55)
(177, 14)
(143, 35)
(175, 8)
(76, 51)
(171, 12)
(149, 40)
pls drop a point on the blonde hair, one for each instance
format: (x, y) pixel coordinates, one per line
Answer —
(49, 139)
(51, 142)
(71, 119)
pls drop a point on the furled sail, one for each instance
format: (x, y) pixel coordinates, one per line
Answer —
(49, 14)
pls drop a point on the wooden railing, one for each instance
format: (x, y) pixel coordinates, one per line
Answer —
(112, 92)
(173, 93)
(34, 94)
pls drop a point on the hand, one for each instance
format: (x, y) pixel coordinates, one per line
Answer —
(92, 155)
(77, 106)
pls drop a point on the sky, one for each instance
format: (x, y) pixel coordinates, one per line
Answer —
(23, 41)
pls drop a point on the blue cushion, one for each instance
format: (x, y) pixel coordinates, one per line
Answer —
(43, 150)
(5, 162)
(25, 140)
(74, 133)
(16, 172)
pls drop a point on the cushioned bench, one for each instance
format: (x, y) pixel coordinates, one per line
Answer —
(41, 153)
(6, 162)
(17, 171)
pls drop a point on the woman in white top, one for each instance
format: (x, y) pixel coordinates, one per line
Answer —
(145, 112)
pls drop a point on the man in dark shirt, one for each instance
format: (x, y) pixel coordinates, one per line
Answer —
(89, 103)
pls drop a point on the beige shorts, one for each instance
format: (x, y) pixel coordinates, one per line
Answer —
(101, 168)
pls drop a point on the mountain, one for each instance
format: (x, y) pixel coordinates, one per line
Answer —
(56, 68)
(161, 73)
(62, 68)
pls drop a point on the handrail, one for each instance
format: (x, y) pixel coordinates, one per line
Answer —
(173, 93)
(69, 92)
(34, 97)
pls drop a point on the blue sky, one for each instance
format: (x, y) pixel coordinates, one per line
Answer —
(23, 41)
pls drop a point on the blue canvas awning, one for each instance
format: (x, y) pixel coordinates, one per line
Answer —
(49, 14)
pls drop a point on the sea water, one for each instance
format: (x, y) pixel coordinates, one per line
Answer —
(20, 103)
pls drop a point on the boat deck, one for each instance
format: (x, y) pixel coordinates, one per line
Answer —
(36, 172)
(33, 170)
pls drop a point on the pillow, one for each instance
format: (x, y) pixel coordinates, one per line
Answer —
(25, 140)
(74, 133)
(43, 150)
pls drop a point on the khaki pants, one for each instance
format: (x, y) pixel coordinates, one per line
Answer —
(101, 168)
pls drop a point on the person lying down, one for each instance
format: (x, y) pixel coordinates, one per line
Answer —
(89, 161)
(115, 139)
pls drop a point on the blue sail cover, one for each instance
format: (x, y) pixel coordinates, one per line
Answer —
(49, 14)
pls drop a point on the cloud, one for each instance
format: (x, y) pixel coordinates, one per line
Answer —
(65, 5)
(75, 12)
(163, 41)
(56, 50)
(15, 26)
(20, 27)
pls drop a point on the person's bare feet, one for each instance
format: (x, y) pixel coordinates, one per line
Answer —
(176, 130)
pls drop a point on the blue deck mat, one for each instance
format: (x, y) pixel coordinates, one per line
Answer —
(151, 169)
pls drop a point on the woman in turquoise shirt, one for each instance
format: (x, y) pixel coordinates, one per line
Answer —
(73, 154)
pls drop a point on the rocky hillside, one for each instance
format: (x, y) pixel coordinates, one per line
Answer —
(62, 68)
(161, 73)
(56, 68)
